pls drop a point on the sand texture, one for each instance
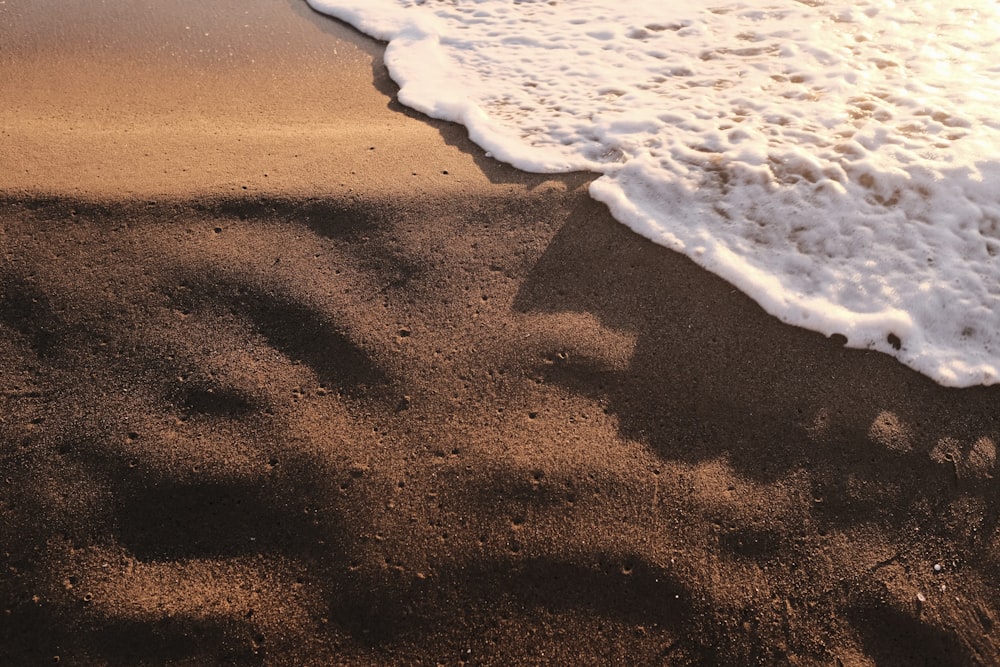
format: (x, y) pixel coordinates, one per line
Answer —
(292, 376)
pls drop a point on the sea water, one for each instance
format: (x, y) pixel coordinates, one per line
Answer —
(837, 161)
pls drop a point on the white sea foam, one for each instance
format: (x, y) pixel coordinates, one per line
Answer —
(837, 161)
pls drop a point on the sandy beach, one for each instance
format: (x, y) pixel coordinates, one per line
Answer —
(292, 375)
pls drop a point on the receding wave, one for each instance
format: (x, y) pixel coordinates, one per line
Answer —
(837, 162)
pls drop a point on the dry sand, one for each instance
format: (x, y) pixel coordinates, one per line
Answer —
(292, 376)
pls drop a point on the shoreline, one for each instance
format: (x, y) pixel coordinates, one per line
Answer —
(353, 415)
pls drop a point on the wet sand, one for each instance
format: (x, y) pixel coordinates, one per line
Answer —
(294, 376)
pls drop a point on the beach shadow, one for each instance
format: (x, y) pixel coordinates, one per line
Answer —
(894, 638)
(41, 634)
(381, 615)
(712, 375)
(335, 219)
(714, 378)
(299, 331)
(123, 444)
(711, 378)
(27, 310)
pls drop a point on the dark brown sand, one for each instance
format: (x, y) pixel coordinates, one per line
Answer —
(292, 376)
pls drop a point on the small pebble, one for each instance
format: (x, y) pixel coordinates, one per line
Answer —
(937, 567)
(921, 598)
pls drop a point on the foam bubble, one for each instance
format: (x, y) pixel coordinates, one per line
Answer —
(837, 162)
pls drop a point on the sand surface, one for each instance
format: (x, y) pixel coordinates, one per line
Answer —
(292, 376)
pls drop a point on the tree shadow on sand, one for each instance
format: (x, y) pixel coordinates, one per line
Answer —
(195, 498)
(713, 377)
